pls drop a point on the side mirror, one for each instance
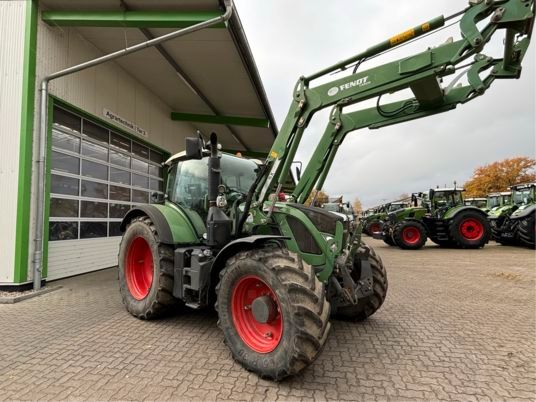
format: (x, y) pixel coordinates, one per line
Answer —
(157, 198)
(298, 173)
(194, 148)
(431, 195)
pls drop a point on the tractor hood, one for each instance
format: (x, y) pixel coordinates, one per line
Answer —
(523, 211)
(497, 212)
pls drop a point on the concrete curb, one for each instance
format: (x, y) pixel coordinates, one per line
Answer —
(16, 299)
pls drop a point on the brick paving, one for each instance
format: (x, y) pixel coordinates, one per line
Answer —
(456, 325)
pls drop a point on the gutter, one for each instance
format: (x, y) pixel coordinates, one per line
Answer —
(38, 234)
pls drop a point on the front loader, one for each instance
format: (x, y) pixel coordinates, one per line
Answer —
(278, 270)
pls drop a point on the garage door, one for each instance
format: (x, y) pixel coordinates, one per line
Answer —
(97, 175)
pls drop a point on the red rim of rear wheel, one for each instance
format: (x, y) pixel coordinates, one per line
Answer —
(471, 229)
(411, 235)
(261, 337)
(139, 269)
(375, 228)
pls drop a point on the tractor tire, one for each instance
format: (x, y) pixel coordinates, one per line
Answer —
(469, 229)
(369, 305)
(273, 311)
(145, 271)
(373, 227)
(527, 230)
(410, 235)
(387, 239)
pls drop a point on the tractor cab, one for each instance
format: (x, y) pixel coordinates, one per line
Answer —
(476, 202)
(188, 183)
(523, 194)
(441, 200)
(498, 200)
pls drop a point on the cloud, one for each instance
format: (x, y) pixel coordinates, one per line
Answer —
(294, 38)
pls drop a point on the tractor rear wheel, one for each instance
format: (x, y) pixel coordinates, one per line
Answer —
(527, 230)
(369, 305)
(469, 229)
(145, 271)
(410, 235)
(273, 311)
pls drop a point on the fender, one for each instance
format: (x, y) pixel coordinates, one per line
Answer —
(524, 212)
(455, 211)
(240, 244)
(157, 217)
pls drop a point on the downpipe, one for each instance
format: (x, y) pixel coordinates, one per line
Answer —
(38, 233)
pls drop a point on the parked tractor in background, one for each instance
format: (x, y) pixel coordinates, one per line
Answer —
(338, 206)
(441, 216)
(373, 224)
(277, 270)
(515, 224)
(498, 200)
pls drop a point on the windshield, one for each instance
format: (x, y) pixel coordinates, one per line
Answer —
(494, 201)
(332, 207)
(396, 207)
(447, 198)
(523, 196)
(188, 181)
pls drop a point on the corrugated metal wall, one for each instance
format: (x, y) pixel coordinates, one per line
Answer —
(105, 86)
(12, 24)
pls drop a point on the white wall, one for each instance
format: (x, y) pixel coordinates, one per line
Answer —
(105, 86)
(12, 25)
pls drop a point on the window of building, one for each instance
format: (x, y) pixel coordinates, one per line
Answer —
(97, 176)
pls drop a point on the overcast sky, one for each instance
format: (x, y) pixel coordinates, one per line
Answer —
(299, 37)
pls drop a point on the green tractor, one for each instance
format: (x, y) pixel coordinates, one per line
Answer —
(373, 224)
(515, 223)
(441, 216)
(275, 270)
(498, 200)
(338, 206)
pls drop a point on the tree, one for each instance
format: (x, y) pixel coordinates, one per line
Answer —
(322, 198)
(357, 206)
(498, 176)
(403, 196)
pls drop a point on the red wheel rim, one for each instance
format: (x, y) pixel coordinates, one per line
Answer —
(375, 228)
(139, 268)
(471, 229)
(261, 337)
(411, 235)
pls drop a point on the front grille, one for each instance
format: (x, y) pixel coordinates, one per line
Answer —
(303, 237)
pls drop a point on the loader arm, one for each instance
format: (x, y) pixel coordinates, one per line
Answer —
(422, 73)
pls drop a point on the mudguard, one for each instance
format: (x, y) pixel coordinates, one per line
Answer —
(523, 213)
(162, 227)
(172, 226)
(456, 210)
(240, 244)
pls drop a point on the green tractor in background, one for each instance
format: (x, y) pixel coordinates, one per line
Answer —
(338, 206)
(373, 223)
(514, 224)
(275, 269)
(442, 216)
(498, 200)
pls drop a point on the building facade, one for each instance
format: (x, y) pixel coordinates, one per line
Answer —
(111, 126)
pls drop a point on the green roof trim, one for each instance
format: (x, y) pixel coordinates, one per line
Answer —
(229, 120)
(129, 19)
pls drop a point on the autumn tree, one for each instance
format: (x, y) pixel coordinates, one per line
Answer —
(403, 196)
(322, 198)
(498, 176)
(357, 206)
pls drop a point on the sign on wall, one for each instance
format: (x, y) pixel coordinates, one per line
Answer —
(125, 123)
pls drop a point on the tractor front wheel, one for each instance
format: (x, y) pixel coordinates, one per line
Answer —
(469, 229)
(410, 235)
(145, 271)
(273, 311)
(373, 227)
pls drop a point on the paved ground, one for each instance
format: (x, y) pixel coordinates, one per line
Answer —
(456, 325)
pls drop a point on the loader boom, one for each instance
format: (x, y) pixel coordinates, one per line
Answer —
(422, 73)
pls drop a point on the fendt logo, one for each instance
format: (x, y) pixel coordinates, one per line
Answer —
(357, 83)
